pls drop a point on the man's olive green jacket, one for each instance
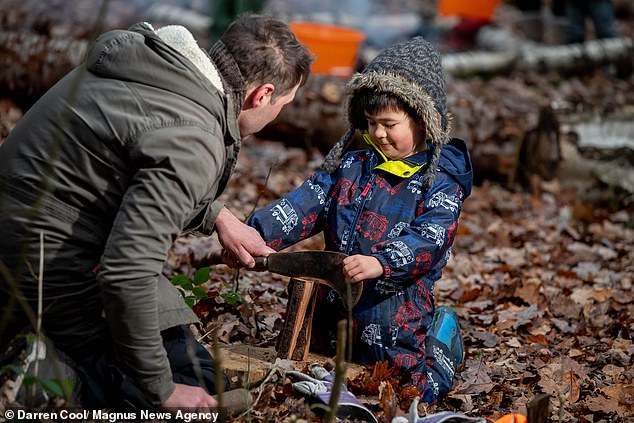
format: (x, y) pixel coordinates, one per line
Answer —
(111, 165)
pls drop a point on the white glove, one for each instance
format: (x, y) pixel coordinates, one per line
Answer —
(442, 417)
(319, 387)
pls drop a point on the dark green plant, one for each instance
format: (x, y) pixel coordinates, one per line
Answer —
(190, 285)
(58, 387)
(232, 297)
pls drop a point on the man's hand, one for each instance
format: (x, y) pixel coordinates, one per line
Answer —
(240, 239)
(358, 268)
(192, 398)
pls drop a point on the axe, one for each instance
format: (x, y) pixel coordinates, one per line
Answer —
(325, 267)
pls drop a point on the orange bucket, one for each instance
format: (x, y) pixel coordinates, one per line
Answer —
(335, 47)
(483, 9)
(512, 418)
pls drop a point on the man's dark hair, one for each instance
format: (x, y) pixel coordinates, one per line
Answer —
(267, 51)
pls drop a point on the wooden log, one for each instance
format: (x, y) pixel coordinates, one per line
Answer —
(539, 409)
(504, 52)
(461, 64)
(32, 63)
(246, 364)
(293, 341)
(578, 57)
(539, 152)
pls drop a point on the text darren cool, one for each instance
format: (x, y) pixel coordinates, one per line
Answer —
(101, 415)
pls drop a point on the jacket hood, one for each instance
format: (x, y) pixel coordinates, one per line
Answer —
(455, 160)
(168, 59)
(411, 71)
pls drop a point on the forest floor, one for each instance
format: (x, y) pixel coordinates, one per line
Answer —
(542, 284)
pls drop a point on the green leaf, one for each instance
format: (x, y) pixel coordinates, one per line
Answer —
(62, 388)
(199, 292)
(53, 386)
(188, 286)
(11, 368)
(180, 279)
(190, 301)
(30, 380)
(232, 297)
(67, 386)
(201, 276)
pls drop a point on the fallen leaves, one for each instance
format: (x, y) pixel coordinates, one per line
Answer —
(545, 304)
(552, 297)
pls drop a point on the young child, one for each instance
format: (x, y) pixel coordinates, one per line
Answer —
(393, 208)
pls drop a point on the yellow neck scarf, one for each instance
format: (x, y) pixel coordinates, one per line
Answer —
(394, 167)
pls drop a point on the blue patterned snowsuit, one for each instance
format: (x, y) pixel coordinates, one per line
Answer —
(409, 230)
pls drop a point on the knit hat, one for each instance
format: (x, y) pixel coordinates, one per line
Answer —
(411, 70)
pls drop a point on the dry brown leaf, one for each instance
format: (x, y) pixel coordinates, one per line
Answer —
(475, 379)
(602, 404)
(538, 339)
(406, 395)
(388, 401)
(529, 291)
(488, 339)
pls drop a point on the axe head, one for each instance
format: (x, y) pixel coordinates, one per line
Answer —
(325, 266)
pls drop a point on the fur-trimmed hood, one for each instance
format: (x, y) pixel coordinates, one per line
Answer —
(411, 70)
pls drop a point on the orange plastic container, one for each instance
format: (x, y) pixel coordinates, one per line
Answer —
(336, 47)
(512, 418)
(468, 8)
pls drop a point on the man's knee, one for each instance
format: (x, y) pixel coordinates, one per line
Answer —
(190, 362)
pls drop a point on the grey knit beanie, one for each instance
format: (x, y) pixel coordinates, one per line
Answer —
(411, 70)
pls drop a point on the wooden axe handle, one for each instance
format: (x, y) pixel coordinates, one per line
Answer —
(261, 264)
(215, 258)
(349, 293)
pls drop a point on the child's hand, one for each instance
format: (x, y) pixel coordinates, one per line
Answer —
(358, 268)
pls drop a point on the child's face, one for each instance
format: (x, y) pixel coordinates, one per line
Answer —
(396, 133)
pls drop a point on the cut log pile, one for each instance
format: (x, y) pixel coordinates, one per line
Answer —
(502, 52)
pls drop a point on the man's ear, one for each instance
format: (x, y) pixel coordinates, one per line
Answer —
(260, 96)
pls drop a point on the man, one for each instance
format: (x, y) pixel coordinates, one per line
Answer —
(114, 162)
(600, 11)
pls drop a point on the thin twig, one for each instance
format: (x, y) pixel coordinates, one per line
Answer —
(260, 389)
(206, 334)
(236, 279)
(219, 380)
(38, 324)
(349, 305)
(261, 192)
(236, 272)
(340, 372)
